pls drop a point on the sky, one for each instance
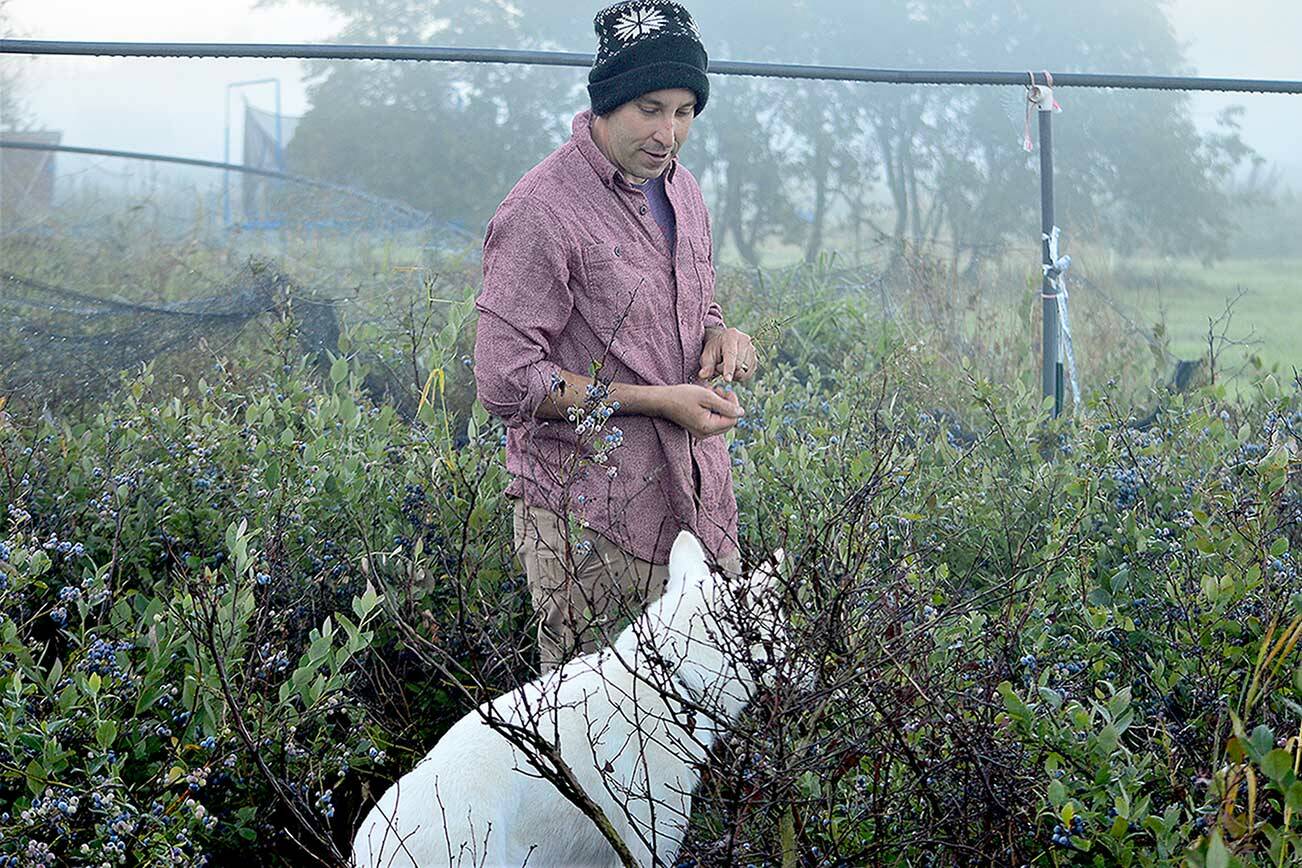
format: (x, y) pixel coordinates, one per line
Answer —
(177, 107)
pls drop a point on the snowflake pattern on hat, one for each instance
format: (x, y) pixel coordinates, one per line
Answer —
(624, 24)
(638, 22)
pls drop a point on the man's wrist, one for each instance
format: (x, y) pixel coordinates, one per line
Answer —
(639, 400)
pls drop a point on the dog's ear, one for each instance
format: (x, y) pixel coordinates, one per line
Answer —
(687, 560)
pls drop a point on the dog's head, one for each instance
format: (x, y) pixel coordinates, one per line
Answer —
(726, 633)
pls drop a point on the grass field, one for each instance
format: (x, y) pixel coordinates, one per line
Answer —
(1184, 295)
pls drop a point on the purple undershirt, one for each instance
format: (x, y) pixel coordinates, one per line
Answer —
(661, 209)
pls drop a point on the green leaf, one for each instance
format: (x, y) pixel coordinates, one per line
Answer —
(1217, 855)
(1099, 597)
(1260, 743)
(39, 563)
(1051, 696)
(106, 734)
(35, 777)
(366, 603)
(1057, 793)
(319, 649)
(1013, 702)
(1108, 738)
(56, 673)
(1118, 704)
(315, 690)
(1293, 798)
(339, 371)
(1277, 764)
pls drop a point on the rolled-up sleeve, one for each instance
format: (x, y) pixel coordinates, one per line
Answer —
(524, 304)
(714, 316)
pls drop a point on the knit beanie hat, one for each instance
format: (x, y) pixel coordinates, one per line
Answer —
(646, 45)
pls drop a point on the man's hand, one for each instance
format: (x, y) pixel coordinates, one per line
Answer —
(728, 353)
(703, 411)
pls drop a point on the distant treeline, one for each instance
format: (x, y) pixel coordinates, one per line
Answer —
(802, 162)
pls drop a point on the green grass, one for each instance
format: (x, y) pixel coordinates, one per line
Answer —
(1185, 295)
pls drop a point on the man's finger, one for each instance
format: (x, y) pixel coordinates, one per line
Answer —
(729, 358)
(729, 406)
(709, 359)
(716, 423)
(749, 361)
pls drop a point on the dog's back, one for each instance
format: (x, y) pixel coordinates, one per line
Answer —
(475, 800)
(621, 726)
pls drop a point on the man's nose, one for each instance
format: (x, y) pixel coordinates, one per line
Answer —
(664, 134)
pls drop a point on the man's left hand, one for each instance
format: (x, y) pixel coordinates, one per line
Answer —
(728, 353)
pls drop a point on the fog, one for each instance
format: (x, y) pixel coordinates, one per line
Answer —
(176, 107)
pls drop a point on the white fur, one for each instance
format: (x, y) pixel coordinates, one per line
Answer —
(624, 726)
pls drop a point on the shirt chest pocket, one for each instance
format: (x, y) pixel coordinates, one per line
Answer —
(620, 296)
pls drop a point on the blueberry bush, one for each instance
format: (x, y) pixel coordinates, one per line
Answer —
(234, 607)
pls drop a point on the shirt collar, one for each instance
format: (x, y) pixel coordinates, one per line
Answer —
(608, 172)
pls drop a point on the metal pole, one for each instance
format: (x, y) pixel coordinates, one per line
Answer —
(280, 146)
(335, 51)
(226, 158)
(1051, 371)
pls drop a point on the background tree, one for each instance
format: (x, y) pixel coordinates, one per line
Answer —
(13, 114)
(804, 162)
(448, 138)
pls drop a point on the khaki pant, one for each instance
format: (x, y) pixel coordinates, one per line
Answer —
(583, 588)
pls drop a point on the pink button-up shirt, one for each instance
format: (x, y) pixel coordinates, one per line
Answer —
(576, 270)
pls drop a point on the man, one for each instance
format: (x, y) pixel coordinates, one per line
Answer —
(598, 297)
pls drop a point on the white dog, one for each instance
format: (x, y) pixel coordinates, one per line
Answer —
(632, 722)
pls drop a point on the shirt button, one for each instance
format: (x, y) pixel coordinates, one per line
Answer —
(641, 210)
(619, 251)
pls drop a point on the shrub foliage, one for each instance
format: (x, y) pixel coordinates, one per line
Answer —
(233, 610)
